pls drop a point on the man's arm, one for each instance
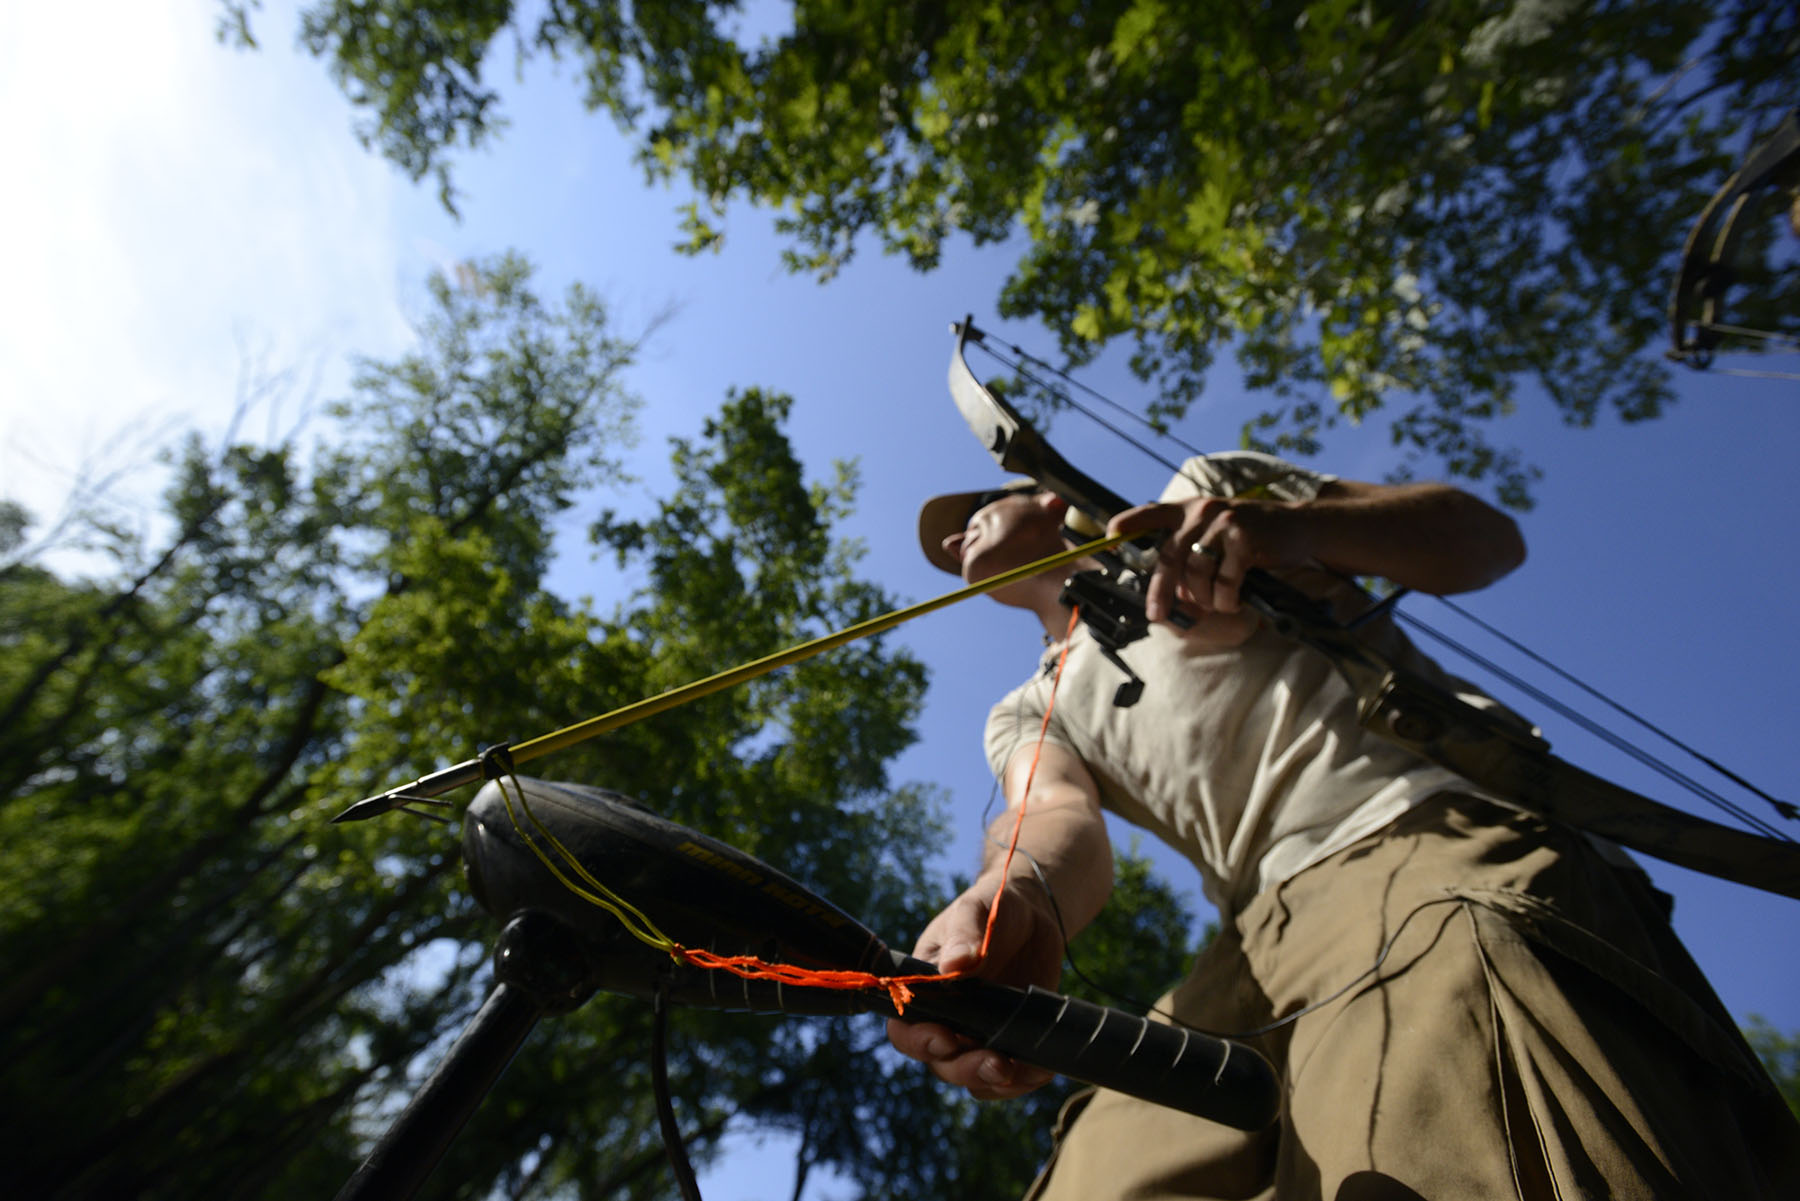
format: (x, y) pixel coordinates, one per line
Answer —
(1064, 832)
(1429, 537)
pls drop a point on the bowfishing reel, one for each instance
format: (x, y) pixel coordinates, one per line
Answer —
(697, 891)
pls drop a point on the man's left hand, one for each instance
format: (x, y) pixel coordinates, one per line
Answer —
(1214, 543)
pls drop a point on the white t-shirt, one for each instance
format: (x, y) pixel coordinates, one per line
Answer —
(1248, 760)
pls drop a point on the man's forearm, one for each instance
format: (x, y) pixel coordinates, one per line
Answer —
(1065, 836)
(1430, 537)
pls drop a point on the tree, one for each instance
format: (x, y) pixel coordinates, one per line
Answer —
(215, 992)
(1780, 1054)
(208, 978)
(1419, 207)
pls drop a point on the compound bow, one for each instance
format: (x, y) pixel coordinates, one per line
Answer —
(1395, 703)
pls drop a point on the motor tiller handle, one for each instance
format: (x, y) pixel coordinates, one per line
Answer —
(1096, 1044)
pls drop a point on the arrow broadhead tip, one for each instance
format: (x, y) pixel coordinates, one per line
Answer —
(369, 807)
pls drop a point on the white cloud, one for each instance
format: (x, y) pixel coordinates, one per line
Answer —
(172, 201)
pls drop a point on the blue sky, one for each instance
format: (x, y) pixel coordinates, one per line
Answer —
(177, 208)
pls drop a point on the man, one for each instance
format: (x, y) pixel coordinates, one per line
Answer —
(1462, 1000)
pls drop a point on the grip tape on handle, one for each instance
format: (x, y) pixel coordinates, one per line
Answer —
(1167, 1065)
(1206, 1076)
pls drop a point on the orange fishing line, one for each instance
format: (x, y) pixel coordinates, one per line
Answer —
(750, 967)
(1030, 775)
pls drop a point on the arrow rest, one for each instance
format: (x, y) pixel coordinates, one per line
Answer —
(1109, 600)
(1113, 612)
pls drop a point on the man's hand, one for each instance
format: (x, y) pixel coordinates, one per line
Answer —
(1063, 831)
(1027, 948)
(1214, 544)
(1429, 537)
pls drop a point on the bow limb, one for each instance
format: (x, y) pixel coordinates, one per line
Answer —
(1706, 273)
(1503, 760)
(1019, 448)
(1494, 755)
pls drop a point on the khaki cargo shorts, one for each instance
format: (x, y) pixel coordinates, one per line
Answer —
(1533, 1029)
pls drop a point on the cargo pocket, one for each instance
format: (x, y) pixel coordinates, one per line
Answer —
(1065, 1117)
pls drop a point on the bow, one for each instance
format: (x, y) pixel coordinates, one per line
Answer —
(1393, 702)
(1706, 260)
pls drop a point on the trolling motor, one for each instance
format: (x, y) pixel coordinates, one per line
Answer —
(557, 948)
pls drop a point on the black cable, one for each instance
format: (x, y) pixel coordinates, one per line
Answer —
(1616, 741)
(673, 1145)
(1024, 356)
(1094, 417)
(1784, 808)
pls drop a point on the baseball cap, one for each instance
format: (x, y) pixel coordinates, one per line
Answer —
(942, 516)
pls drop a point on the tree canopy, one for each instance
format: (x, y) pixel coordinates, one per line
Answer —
(1427, 209)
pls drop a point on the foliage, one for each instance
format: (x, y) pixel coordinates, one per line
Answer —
(1418, 207)
(215, 992)
(1780, 1053)
(209, 981)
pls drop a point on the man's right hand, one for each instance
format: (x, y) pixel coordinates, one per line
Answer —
(1065, 835)
(1027, 948)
